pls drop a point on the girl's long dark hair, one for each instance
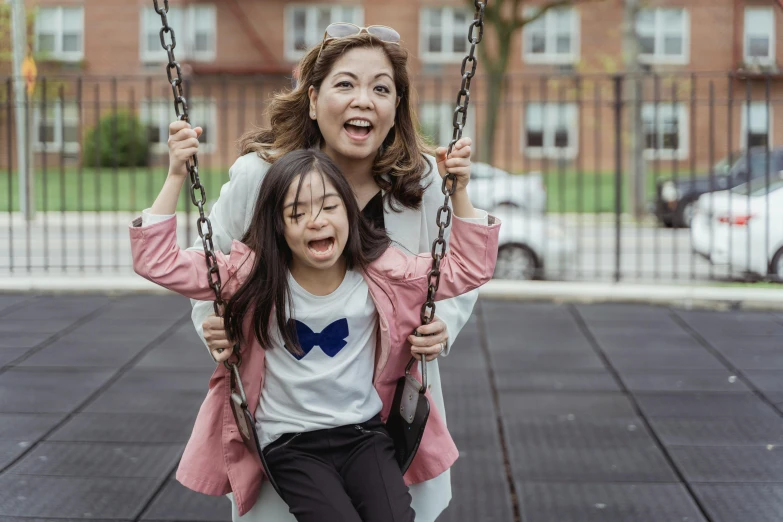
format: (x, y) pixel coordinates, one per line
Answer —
(266, 289)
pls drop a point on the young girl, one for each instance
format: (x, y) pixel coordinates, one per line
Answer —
(322, 307)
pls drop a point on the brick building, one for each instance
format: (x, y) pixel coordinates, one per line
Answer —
(705, 59)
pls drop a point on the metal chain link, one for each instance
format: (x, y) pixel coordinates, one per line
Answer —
(469, 64)
(448, 187)
(197, 193)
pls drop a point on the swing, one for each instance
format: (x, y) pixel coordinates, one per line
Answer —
(410, 408)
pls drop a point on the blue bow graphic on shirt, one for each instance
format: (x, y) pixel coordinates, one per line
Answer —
(331, 340)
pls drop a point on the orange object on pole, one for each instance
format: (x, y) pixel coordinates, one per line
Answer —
(30, 73)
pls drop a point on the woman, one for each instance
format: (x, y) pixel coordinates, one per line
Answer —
(353, 102)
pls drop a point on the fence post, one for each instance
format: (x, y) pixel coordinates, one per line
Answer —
(618, 173)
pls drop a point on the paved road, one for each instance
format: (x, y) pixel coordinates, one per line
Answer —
(595, 413)
(100, 242)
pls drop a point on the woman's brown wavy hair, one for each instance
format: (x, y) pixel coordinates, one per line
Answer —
(402, 152)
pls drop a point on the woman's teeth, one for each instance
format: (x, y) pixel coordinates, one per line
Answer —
(358, 128)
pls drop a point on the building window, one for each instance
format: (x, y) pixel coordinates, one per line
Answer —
(759, 35)
(553, 38)
(195, 29)
(57, 128)
(551, 130)
(665, 131)
(663, 36)
(437, 122)
(756, 125)
(59, 33)
(444, 33)
(305, 25)
(157, 115)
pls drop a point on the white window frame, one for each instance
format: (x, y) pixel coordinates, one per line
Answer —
(160, 112)
(184, 23)
(59, 32)
(552, 111)
(744, 124)
(447, 55)
(550, 55)
(440, 116)
(683, 137)
(659, 31)
(314, 35)
(60, 118)
(769, 33)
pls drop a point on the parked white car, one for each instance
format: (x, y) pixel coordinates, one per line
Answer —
(491, 187)
(532, 248)
(742, 228)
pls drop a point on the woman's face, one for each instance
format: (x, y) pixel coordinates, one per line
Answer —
(356, 105)
(318, 231)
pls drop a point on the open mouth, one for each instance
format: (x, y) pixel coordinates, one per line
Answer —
(321, 247)
(358, 128)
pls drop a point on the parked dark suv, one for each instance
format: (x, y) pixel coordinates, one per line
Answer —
(674, 199)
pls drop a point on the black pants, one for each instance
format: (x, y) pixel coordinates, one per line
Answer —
(345, 474)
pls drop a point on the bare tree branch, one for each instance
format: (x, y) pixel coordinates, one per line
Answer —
(520, 21)
(541, 11)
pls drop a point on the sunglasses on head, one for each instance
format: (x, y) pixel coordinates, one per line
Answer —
(342, 29)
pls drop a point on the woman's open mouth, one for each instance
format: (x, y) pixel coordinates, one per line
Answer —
(321, 247)
(358, 129)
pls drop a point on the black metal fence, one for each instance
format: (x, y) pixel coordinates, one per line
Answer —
(606, 173)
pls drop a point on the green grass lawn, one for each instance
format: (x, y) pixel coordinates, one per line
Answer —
(128, 189)
(93, 189)
(588, 192)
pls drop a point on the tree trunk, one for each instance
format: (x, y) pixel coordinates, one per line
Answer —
(633, 109)
(494, 95)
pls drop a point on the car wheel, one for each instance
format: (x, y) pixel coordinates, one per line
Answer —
(516, 262)
(685, 214)
(776, 266)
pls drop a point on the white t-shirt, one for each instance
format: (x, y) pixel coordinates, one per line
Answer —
(331, 385)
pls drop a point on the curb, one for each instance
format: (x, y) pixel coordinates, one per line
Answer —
(685, 296)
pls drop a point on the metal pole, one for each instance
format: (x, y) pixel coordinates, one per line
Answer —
(618, 174)
(19, 25)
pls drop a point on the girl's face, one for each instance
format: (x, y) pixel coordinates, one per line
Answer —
(318, 231)
(356, 105)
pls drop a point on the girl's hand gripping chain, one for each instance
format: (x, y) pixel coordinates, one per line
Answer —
(183, 144)
(459, 165)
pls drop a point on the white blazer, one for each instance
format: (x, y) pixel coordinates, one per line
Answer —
(414, 230)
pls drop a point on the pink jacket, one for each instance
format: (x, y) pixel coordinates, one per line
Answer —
(216, 460)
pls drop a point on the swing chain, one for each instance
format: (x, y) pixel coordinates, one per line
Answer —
(468, 71)
(197, 193)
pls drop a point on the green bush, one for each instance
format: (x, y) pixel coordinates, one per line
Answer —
(119, 135)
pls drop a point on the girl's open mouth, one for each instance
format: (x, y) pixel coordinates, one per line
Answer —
(321, 247)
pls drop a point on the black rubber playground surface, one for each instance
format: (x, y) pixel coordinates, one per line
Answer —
(562, 413)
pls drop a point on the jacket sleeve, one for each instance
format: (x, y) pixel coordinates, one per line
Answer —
(468, 264)
(158, 258)
(456, 311)
(228, 217)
